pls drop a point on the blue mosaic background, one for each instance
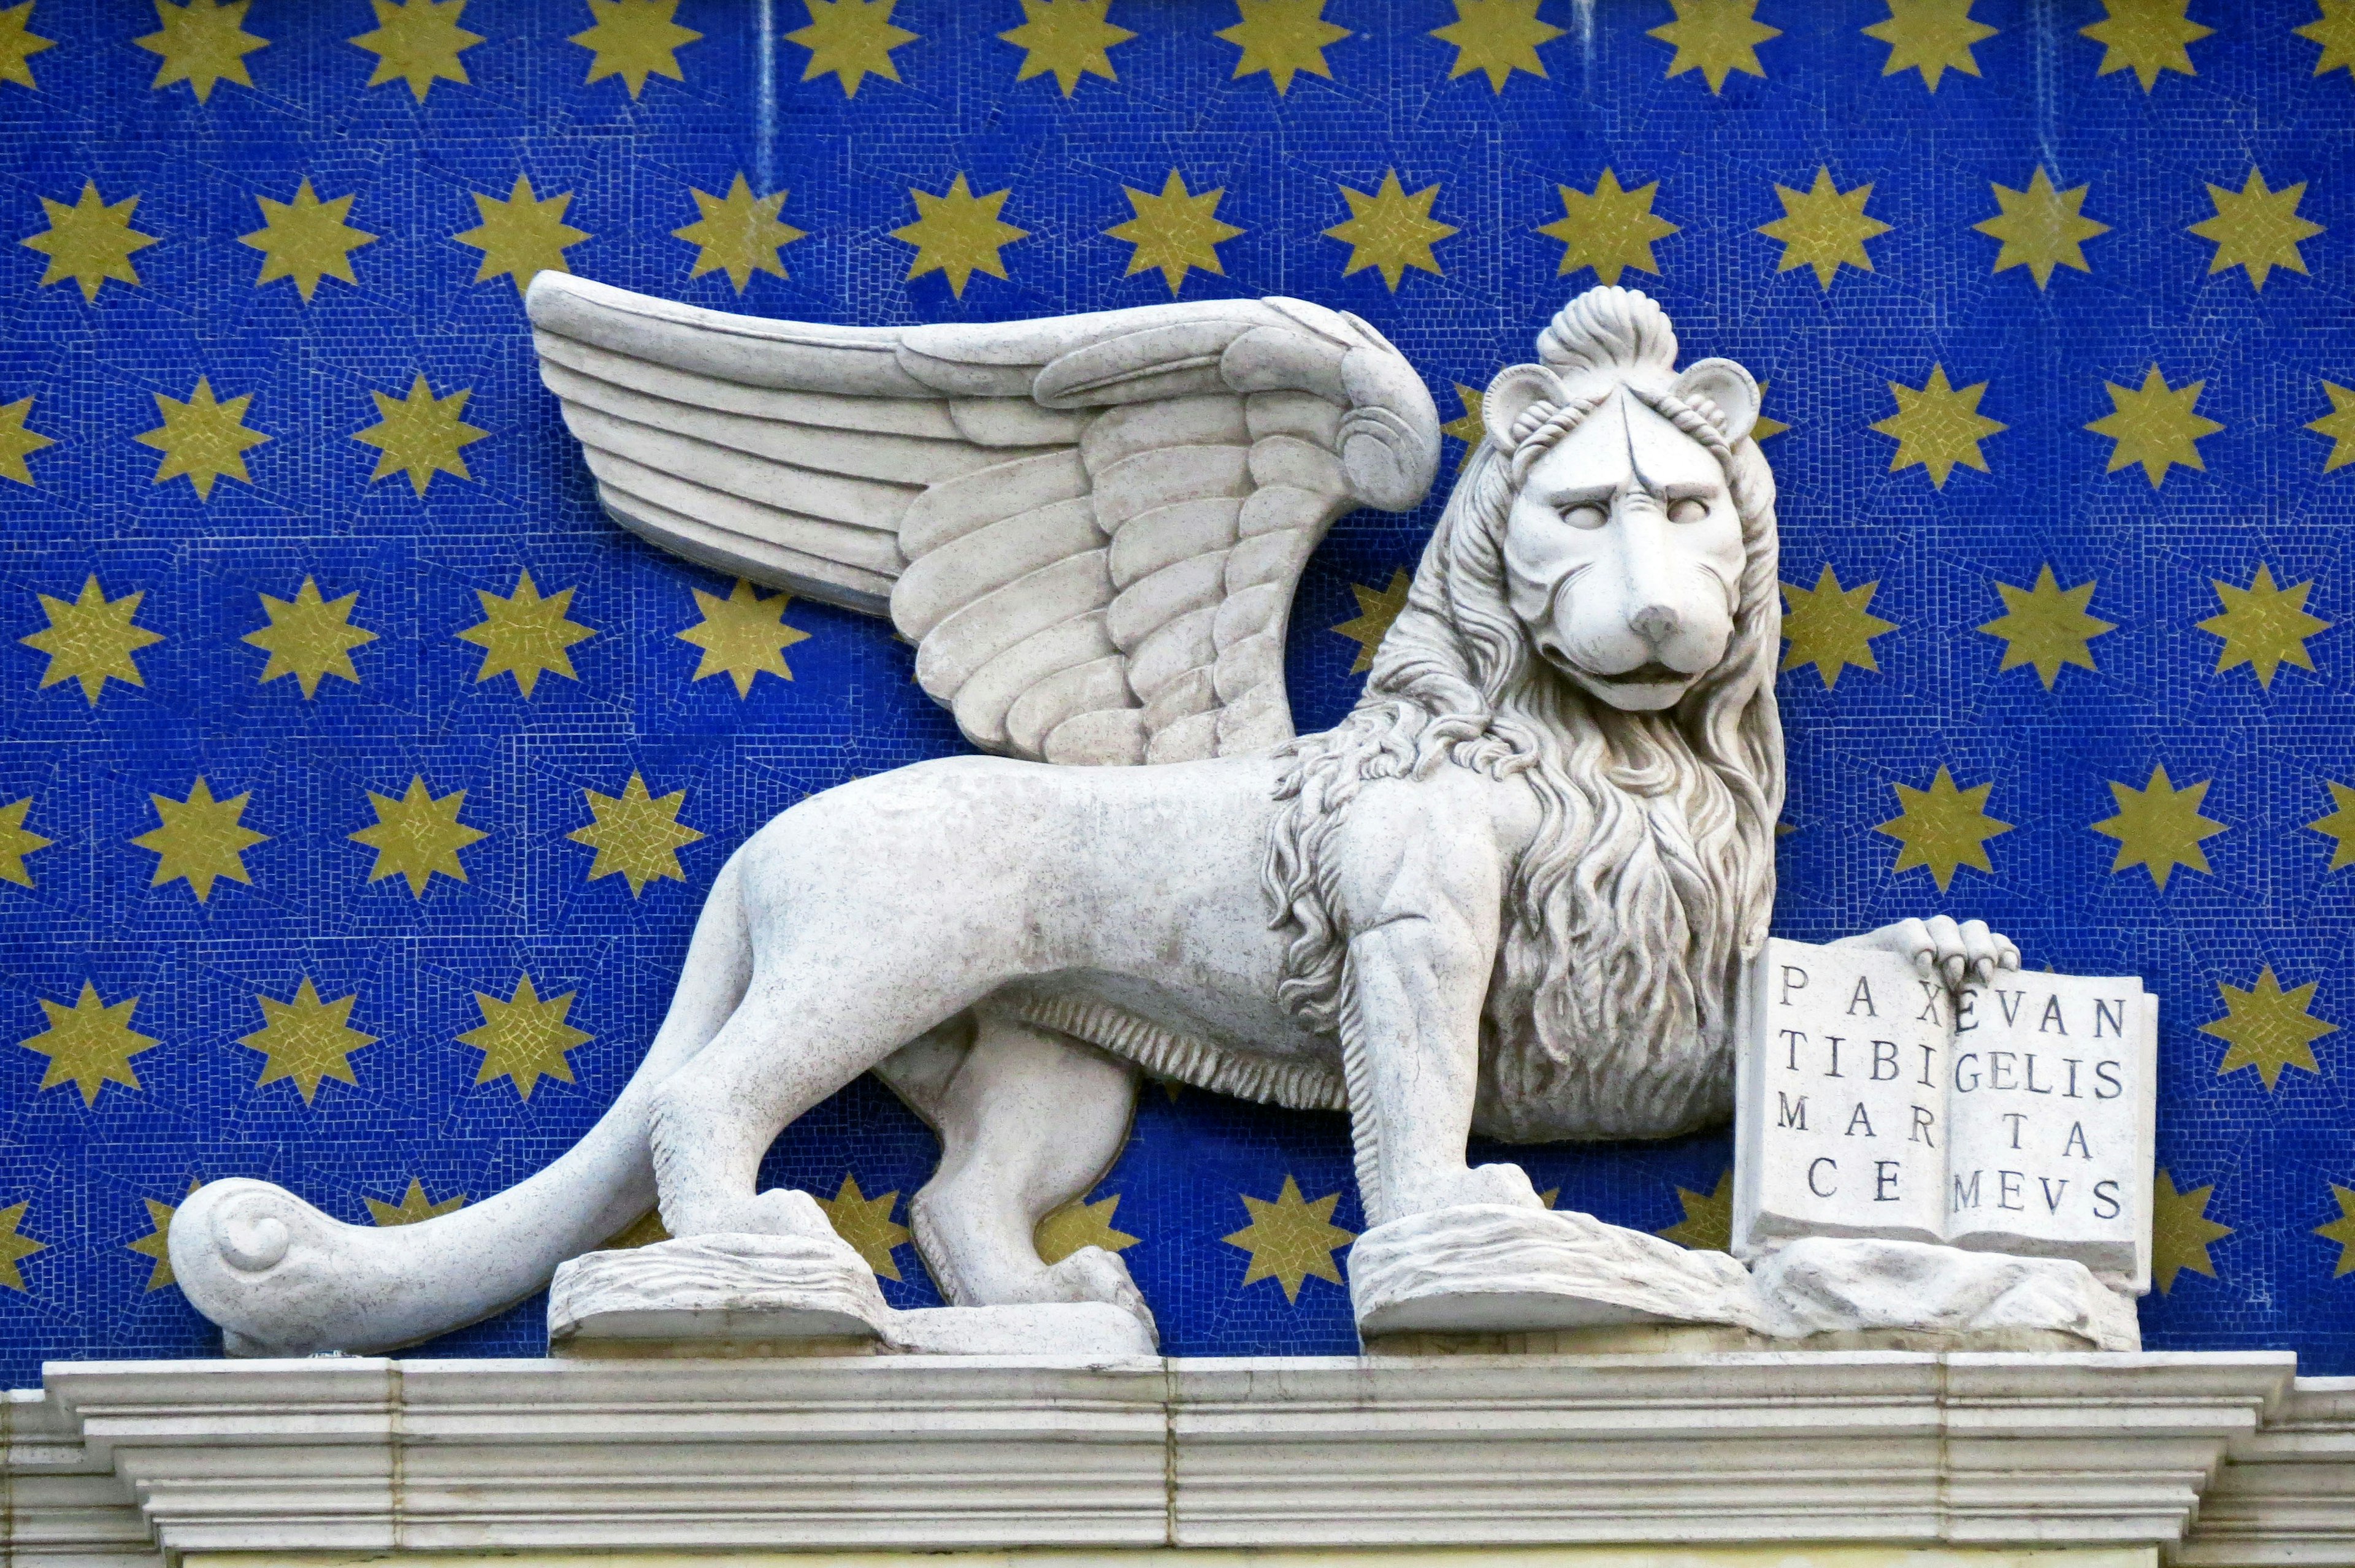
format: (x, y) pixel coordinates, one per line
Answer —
(1937, 697)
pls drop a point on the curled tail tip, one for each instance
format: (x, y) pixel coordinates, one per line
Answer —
(264, 1266)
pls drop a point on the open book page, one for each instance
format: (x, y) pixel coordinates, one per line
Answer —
(1840, 1098)
(2050, 1112)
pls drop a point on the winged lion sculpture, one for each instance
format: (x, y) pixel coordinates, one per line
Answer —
(1510, 892)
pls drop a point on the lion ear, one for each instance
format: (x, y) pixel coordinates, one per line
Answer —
(1727, 385)
(1516, 389)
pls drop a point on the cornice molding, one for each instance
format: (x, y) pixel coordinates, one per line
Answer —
(2218, 1460)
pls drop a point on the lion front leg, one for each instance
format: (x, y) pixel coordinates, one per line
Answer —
(1422, 882)
(1413, 1056)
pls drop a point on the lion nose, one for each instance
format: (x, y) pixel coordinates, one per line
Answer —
(1655, 624)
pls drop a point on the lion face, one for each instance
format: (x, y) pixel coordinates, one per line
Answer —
(1624, 556)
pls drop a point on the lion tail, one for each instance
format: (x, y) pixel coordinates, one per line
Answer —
(282, 1278)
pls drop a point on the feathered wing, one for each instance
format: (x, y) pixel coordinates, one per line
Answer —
(1090, 525)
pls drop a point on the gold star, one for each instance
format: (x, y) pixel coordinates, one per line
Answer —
(15, 1248)
(2268, 1028)
(2264, 626)
(92, 639)
(1467, 427)
(307, 1039)
(1391, 229)
(524, 1040)
(959, 233)
(1715, 37)
(2148, 35)
(420, 435)
(635, 834)
(1077, 1224)
(2159, 827)
(309, 637)
(1762, 427)
(525, 635)
(1937, 426)
(202, 42)
(2342, 1229)
(2334, 30)
(157, 1244)
(2257, 229)
(2047, 625)
(16, 841)
(17, 442)
(1282, 38)
(742, 635)
(1376, 611)
(90, 1044)
(306, 240)
(2040, 227)
(1069, 38)
(200, 839)
(2155, 426)
(2181, 1231)
(1174, 231)
(851, 39)
(413, 1206)
(634, 39)
(1831, 628)
(2339, 424)
(1823, 227)
(2339, 825)
(1943, 827)
(417, 41)
(417, 835)
(1708, 1224)
(738, 233)
(1290, 1239)
(523, 236)
(866, 1223)
(1498, 36)
(1609, 230)
(19, 44)
(1930, 35)
(89, 241)
(202, 439)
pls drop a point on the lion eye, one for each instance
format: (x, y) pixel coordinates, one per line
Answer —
(1585, 517)
(1688, 511)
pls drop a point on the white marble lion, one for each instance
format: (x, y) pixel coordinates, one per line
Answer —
(1510, 894)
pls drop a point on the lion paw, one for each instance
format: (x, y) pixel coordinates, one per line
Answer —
(1492, 1184)
(1093, 1274)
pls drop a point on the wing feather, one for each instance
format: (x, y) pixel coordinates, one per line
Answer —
(1099, 685)
(875, 504)
(943, 580)
(870, 549)
(1167, 535)
(950, 511)
(953, 650)
(984, 703)
(1090, 525)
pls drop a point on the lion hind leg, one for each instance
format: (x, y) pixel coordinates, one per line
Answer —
(1030, 1121)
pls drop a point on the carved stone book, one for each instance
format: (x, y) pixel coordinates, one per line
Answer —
(2014, 1116)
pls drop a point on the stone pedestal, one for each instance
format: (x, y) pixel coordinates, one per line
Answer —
(1837, 1460)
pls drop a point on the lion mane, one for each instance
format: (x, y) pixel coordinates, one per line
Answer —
(1610, 1012)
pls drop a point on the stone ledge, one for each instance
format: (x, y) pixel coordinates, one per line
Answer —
(2217, 1460)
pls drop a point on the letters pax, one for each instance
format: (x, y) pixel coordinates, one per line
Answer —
(2014, 1116)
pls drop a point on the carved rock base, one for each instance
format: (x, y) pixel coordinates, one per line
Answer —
(1497, 1280)
(1483, 1268)
(1847, 1294)
(703, 1296)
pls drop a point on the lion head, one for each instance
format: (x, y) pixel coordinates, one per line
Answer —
(1597, 614)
